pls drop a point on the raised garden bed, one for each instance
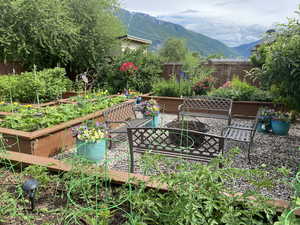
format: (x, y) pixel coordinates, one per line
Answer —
(242, 109)
(49, 140)
(86, 193)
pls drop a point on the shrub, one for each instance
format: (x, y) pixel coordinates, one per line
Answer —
(193, 85)
(241, 91)
(148, 70)
(279, 69)
(32, 87)
(173, 88)
(203, 86)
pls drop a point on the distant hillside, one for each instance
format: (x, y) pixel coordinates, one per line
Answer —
(245, 50)
(230, 33)
(148, 27)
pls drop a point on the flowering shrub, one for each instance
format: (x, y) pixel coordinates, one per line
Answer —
(90, 132)
(150, 108)
(128, 66)
(238, 90)
(203, 86)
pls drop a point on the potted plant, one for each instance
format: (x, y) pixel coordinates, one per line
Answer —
(264, 120)
(90, 141)
(280, 123)
(151, 109)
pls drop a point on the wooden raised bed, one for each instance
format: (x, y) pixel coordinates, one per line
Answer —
(114, 176)
(48, 141)
(242, 109)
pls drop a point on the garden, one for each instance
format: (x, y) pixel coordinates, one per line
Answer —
(92, 135)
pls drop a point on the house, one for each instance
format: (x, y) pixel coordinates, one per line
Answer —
(132, 42)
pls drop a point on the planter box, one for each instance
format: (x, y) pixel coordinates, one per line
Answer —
(240, 109)
(48, 141)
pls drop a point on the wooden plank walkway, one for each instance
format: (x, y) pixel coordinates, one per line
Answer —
(116, 177)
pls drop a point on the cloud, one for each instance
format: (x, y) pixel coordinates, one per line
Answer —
(264, 12)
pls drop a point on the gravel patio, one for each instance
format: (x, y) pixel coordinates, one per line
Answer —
(269, 152)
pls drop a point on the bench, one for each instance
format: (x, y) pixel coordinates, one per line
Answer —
(206, 106)
(174, 143)
(242, 132)
(118, 118)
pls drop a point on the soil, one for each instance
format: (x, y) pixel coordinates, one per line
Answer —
(51, 203)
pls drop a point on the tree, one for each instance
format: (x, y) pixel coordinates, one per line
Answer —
(174, 50)
(280, 71)
(71, 33)
(98, 29)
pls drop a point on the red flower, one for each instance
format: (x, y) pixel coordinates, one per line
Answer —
(128, 66)
(226, 84)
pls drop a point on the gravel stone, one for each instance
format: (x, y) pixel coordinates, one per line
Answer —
(269, 152)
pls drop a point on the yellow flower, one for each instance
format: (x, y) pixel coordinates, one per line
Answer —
(16, 103)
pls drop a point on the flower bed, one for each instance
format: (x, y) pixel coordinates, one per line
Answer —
(45, 131)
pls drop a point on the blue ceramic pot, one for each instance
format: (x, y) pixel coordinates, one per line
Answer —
(280, 127)
(259, 128)
(138, 100)
(94, 152)
(155, 122)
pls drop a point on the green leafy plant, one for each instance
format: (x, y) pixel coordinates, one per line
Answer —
(34, 87)
(279, 66)
(31, 119)
(203, 87)
(82, 33)
(241, 91)
(196, 195)
(283, 116)
(173, 88)
(149, 69)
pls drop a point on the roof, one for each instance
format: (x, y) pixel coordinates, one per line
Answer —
(229, 60)
(135, 39)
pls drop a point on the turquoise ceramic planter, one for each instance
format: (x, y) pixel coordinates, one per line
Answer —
(155, 122)
(94, 152)
(280, 127)
(259, 127)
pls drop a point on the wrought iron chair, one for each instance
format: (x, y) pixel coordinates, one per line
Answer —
(242, 132)
(118, 118)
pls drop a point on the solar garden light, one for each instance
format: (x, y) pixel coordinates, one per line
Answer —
(29, 187)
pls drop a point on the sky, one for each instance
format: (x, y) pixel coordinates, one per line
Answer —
(248, 12)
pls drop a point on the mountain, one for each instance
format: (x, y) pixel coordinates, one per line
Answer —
(232, 33)
(245, 50)
(158, 31)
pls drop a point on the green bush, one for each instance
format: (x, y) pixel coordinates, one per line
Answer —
(184, 87)
(173, 88)
(33, 87)
(149, 68)
(241, 91)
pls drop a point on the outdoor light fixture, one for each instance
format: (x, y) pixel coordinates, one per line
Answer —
(29, 187)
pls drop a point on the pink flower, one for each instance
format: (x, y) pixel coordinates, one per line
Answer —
(226, 84)
(128, 66)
